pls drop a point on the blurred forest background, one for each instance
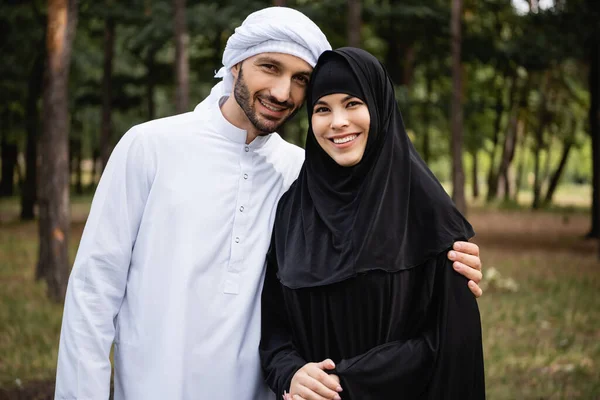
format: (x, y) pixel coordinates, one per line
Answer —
(500, 97)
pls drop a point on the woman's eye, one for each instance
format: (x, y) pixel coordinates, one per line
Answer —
(353, 103)
(321, 110)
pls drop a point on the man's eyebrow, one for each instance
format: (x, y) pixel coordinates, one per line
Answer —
(277, 63)
(270, 60)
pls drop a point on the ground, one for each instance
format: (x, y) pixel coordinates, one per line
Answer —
(540, 310)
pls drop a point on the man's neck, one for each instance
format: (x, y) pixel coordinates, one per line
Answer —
(234, 114)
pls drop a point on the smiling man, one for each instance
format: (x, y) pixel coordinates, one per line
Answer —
(170, 266)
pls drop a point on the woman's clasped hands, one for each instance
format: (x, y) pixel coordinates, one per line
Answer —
(311, 382)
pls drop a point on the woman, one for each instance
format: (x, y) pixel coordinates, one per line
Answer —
(357, 273)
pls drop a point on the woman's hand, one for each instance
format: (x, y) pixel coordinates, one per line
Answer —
(467, 263)
(311, 382)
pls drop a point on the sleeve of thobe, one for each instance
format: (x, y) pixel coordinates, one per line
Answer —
(279, 358)
(443, 361)
(98, 278)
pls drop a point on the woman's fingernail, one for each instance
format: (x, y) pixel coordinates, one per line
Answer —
(452, 255)
(339, 389)
(337, 397)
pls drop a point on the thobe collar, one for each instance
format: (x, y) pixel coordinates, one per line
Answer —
(234, 133)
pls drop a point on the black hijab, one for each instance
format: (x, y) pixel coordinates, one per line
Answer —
(388, 212)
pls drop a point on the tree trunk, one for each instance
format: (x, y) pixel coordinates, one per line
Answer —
(8, 153)
(32, 125)
(594, 121)
(427, 116)
(76, 166)
(150, 83)
(521, 164)
(458, 176)
(106, 130)
(543, 119)
(53, 263)
(492, 177)
(508, 151)
(279, 3)
(354, 22)
(182, 97)
(475, 174)
(555, 179)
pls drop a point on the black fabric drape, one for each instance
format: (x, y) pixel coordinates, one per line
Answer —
(357, 269)
(388, 212)
(412, 334)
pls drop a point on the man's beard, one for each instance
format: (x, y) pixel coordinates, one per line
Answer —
(242, 97)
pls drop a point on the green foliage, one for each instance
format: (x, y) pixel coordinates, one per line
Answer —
(501, 48)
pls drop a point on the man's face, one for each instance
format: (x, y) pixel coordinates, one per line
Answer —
(270, 88)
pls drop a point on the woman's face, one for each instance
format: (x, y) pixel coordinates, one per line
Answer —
(341, 125)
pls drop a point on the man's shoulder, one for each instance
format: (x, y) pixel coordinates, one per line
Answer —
(287, 148)
(170, 125)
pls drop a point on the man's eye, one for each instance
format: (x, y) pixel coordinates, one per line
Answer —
(302, 79)
(269, 67)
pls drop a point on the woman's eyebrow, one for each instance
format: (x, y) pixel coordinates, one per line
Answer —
(321, 102)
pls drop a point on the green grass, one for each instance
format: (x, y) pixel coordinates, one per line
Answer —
(541, 341)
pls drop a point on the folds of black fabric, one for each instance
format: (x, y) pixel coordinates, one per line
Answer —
(413, 334)
(357, 270)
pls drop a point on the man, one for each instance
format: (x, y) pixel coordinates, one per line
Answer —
(171, 262)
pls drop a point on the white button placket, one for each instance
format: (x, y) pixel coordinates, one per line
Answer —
(240, 223)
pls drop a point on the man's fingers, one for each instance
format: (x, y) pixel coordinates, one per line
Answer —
(467, 259)
(475, 289)
(466, 247)
(468, 272)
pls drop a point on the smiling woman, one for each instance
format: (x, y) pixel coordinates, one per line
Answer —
(358, 294)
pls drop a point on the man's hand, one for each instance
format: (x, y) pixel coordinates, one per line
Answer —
(467, 263)
(311, 382)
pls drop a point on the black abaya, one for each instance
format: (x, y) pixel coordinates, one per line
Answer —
(357, 270)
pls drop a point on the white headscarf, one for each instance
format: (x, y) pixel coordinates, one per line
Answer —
(270, 30)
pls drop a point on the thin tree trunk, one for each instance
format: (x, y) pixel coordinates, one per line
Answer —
(76, 166)
(508, 151)
(279, 3)
(354, 22)
(182, 97)
(106, 130)
(521, 164)
(32, 126)
(150, 83)
(53, 263)
(555, 179)
(594, 121)
(427, 116)
(458, 176)
(492, 177)
(8, 153)
(474, 154)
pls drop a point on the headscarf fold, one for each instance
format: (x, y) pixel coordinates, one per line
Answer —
(388, 212)
(270, 30)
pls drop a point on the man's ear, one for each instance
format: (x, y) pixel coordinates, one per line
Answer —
(235, 70)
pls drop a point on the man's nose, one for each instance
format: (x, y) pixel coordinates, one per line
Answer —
(281, 90)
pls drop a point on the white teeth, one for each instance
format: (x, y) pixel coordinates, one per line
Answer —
(271, 107)
(345, 139)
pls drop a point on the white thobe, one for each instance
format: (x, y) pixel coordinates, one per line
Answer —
(171, 264)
